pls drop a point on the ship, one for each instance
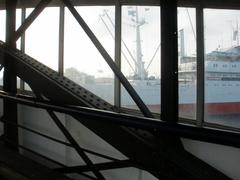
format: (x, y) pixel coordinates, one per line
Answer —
(222, 79)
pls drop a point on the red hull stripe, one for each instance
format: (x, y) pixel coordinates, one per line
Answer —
(210, 108)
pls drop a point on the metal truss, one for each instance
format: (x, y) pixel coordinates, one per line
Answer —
(145, 142)
(128, 121)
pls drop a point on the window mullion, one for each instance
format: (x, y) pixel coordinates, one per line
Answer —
(118, 21)
(200, 66)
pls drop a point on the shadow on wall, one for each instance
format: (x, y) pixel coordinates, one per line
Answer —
(224, 158)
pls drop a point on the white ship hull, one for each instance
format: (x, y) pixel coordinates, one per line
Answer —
(221, 97)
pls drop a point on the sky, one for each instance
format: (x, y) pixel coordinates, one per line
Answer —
(42, 36)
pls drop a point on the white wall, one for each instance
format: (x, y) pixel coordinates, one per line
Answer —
(226, 159)
(38, 119)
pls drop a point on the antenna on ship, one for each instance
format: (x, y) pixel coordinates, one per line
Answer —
(140, 72)
(105, 13)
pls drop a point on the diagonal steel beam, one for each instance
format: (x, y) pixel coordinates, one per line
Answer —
(34, 14)
(72, 141)
(75, 144)
(144, 109)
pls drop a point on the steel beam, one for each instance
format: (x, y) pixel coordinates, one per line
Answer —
(144, 109)
(75, 144)
(57, 140)
(200, 66)
(169, 61)
(68, 92)
(22, 84)
(61, 40)
(223, 4)
(9, 78)
(163, 154)
(211, 135)
(118, 31)
(34, 14)
(36, 132)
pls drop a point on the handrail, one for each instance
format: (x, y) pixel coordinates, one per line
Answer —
(205, 134)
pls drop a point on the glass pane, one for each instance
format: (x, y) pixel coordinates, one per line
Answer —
(82, 61)
(18, 23)
(27, 87)
(141, 54)
(187, 62)
(42, 37)
(222, 66)
(2, 36)
(2, 24)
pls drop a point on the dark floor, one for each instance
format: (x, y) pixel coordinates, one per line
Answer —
(14, 166)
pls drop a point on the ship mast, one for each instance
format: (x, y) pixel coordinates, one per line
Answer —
(237, 35)
(140, 72)
(139, 64)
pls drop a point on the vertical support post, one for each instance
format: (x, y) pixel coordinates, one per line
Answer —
(23, 43)
(169, 61)
(200, 65)
(9, 79)
(61, 41)
(118, 30)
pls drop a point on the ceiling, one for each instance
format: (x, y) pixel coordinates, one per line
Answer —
(232, 4)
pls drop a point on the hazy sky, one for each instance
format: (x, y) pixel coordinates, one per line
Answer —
(42, 36)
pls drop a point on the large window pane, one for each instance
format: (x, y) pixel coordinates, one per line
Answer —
(18, 44)
(222, 67)
(187, 62)
(2, 24)
(141, 54)
(18, 23)
(2, 35)
(42, 37)
(82, 61)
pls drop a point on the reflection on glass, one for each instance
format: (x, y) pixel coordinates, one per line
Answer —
(187, 62)
(141, 54)
(42, 37)
(82, 61)
(222, 66)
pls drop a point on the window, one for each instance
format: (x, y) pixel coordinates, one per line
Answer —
(222, 33)
(2, 35)
(141, 54)
(2, 24)
(82, 61)
(42, 37)
(187, 62)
